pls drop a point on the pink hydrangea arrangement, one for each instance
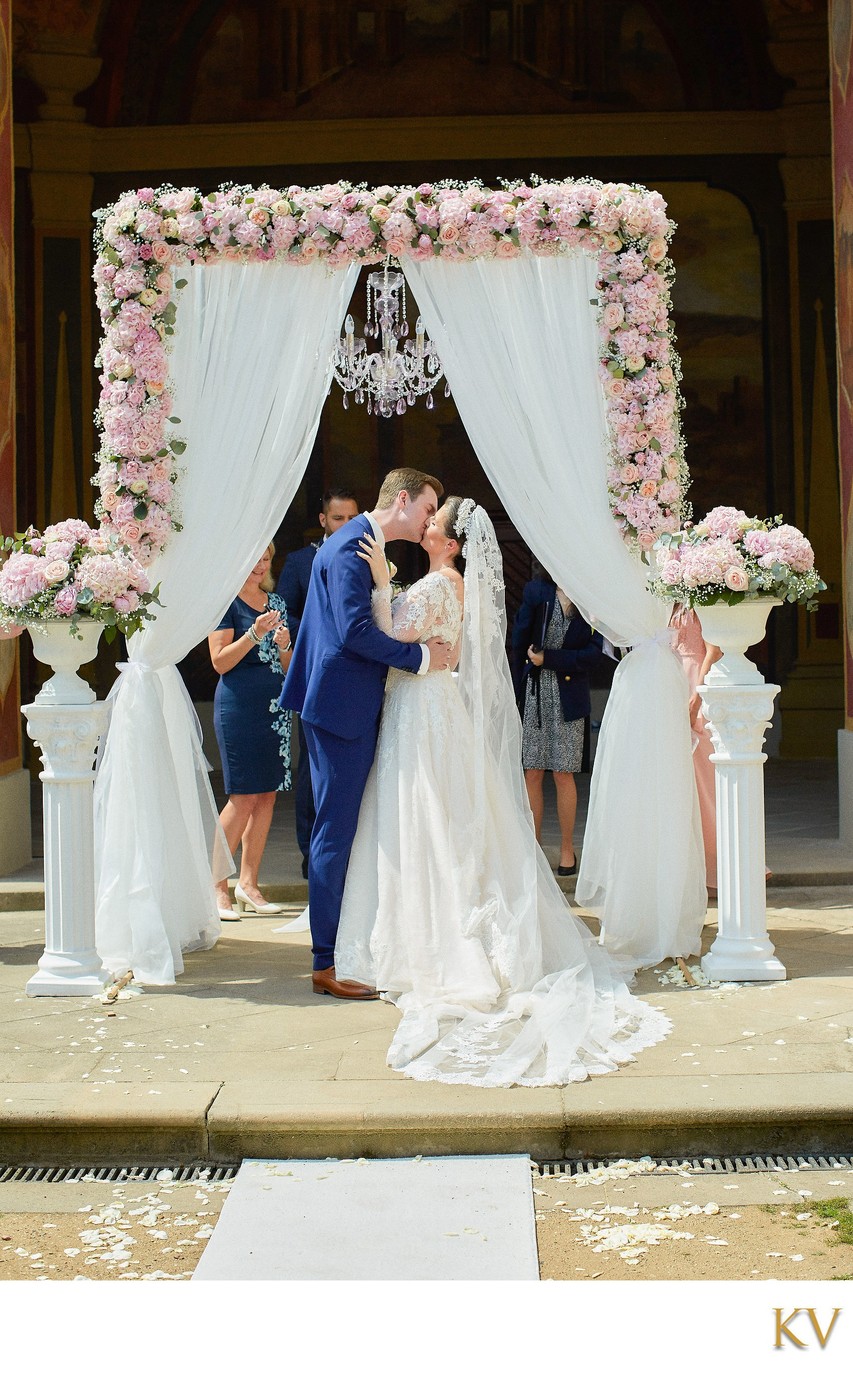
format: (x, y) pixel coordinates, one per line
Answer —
(69, 571)
(729, 556)
(149, 236)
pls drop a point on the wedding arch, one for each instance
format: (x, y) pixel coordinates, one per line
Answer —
(549, 304)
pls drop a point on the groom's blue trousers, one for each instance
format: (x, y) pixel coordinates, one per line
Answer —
(339, 770)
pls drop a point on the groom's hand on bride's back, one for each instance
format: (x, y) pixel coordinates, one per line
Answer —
(440, 653)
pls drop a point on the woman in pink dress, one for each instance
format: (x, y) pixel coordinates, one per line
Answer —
(697, 655)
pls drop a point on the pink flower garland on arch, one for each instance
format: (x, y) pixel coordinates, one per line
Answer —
(147, 233)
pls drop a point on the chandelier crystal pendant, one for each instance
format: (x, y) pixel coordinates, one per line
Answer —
(390, 378)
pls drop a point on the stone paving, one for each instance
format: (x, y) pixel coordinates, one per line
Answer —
(240, 1058)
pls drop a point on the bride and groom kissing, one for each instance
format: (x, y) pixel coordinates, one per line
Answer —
(425, 879)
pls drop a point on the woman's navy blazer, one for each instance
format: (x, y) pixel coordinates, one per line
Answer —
(582, 648)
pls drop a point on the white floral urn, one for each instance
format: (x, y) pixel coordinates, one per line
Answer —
(65, 646)
(734, 627)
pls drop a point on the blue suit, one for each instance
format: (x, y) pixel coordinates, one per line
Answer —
(336, 681)
(293, 588)
(293, 584)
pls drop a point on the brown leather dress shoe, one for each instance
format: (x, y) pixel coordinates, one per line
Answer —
(324, 982)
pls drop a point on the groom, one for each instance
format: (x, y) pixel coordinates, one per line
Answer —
(336, 680)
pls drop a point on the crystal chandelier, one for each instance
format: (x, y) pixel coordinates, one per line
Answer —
(390, 378)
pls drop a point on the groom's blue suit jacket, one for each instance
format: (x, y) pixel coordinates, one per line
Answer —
(336, 678)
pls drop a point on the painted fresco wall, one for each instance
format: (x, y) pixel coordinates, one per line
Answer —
(841, 40)
(9, 694)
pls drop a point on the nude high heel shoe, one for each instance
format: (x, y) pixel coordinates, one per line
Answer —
(247, 905)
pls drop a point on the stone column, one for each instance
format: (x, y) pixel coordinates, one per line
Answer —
(59, 146)
(841, 88)
(15, 849)
(738, 716)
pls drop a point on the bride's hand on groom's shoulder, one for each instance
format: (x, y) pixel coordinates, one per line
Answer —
(373, 554)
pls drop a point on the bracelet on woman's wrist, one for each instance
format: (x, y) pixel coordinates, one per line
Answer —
(253, 636)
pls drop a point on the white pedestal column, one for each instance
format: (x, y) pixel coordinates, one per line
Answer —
(739, 705)
(738, 717)
(67, 736)
(66, 723)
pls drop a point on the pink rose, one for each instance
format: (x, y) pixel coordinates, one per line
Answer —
(506, 249)
(65, 601)
(110, 500)
(649, 488)
(448, 234)
(397, 246)
(162, 253)
(131, 531)
(612, 243)
(736, 579)
(629, 473)
(56, 570)
(613, 315)
(646, 539)
(656, 250)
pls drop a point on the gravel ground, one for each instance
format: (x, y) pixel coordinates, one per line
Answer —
(151, 1231)
(620, 1226)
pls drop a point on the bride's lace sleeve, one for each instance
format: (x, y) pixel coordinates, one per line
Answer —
(429, 608)
(380, 601)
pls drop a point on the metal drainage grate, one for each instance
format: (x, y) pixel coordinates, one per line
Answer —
(704, 1166)
(194, 1171)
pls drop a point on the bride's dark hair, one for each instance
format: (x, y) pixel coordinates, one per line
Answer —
(450, 510)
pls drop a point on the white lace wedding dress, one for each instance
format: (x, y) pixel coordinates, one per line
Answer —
(450, 907)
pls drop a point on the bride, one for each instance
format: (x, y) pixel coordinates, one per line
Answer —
(450, 907)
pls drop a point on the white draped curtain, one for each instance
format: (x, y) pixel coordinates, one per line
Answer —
(250, 371)
(519, 343)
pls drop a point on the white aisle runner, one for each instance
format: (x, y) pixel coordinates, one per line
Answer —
(409, 1219)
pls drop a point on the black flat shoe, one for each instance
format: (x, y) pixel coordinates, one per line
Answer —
(567, 869)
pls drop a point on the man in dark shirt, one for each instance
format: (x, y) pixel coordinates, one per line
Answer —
(339, 507)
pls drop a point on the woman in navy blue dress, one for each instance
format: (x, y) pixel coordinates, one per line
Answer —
(553, 650)
(250, 650)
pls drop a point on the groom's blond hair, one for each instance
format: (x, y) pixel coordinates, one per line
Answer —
(411, 481)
